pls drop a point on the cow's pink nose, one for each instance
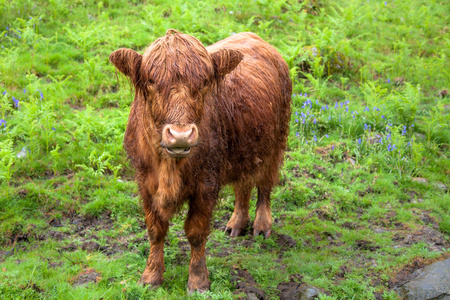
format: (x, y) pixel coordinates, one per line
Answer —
(178, 140)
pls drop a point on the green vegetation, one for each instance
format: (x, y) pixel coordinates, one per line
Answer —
(363, 190)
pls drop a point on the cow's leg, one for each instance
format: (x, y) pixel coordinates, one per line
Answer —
(157, 229)
(263, 218)
(240, 217)
(197, 229)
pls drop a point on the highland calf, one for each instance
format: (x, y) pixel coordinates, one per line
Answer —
(204, 117)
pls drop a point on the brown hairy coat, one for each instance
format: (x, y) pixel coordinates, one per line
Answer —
(203, 118)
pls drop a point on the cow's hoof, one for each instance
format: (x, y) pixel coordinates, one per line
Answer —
(202, 288)
(201, 291)
(266, 233)
(150, 280)
(233, 231)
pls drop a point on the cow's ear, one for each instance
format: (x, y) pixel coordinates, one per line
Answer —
(225, 60)
(128, 62)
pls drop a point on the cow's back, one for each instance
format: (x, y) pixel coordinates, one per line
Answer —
(255, 107)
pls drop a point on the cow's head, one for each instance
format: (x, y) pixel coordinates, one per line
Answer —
(173, 77)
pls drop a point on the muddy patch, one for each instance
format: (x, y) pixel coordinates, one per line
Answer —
(245, 284)
(90, 246)
(183, 256)
(411, 271)
(295, 288)
(285, 242)
(83, 223)
(368, 190)
(434, 239)
(365, 245)
(86, 277)
(350, 225)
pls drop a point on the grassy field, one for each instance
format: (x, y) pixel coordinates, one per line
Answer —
(363, 198)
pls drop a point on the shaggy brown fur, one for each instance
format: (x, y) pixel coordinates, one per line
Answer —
(236, 94)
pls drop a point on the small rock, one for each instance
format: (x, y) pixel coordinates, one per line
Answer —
(301, 291)
(433, 282)
(379, 230)
(420, 180)
(441, 186)
(252, 296)
(308, 292)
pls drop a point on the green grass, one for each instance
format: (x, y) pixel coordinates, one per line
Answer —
(370, 118)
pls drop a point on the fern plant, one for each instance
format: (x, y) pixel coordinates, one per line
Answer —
(6, 160)
(98, 165)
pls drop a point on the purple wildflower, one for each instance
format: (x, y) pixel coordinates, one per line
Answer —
(314, 138)
(53, 128)
(332, 147)
(327, 136)
(359, 141)
(3, 122)
(296, 120)
(24, 91)
(296, 113)
(404, 130)
(366, 109)
(314, 121)
(346, 109)
(365, 126)
(16, 102)
(388, 80)
(41, 95)
(382, 116)
(4, 93)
